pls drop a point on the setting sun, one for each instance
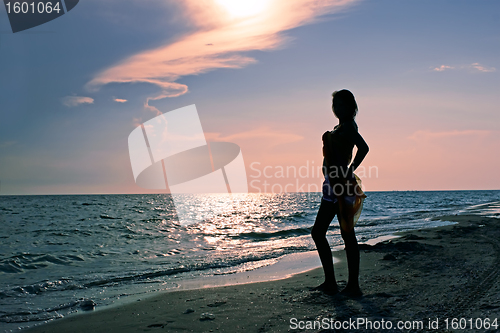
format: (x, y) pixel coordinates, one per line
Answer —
(243, 8)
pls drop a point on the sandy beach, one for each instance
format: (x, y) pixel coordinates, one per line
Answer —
(419, 281)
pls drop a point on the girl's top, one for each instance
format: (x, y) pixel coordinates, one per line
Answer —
(337, 153)
(340, 144)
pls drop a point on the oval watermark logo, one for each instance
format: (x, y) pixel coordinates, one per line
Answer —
(169, 152)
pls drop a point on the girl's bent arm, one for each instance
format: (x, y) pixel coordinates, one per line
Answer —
(363, 149)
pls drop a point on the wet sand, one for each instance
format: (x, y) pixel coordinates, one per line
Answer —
(423, 276)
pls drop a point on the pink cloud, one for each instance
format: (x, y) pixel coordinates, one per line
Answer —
(71, 101)
(216, 44)
(272, 137)
(120, 100)
(443, 68)
(476, 66)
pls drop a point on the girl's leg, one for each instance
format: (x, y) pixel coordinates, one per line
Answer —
(326, 213)
(352, 252)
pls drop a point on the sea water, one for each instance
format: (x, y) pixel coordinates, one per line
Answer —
(59, 253)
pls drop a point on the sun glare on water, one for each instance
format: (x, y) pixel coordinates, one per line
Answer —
(243, 8)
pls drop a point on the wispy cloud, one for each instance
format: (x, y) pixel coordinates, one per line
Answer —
(427, 135)
(443, 68)
(271, 137)
(120, 100)
(219, 43)
(6, 144)
(474, 67)
(71, 101)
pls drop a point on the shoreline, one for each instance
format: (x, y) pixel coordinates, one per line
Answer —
(442, 272)
(284, 268)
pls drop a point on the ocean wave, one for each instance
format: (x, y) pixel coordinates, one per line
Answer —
(48, 313)
(276, 234)
(28, 261)
(91, 204)
(40, 287)
(107, 217)
(65, 284)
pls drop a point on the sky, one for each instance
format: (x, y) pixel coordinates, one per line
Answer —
(425, 75)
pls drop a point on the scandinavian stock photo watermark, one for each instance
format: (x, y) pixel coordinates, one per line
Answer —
(303, 178)
(381, 324)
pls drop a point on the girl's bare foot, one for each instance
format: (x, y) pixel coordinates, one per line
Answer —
(327, 288)
(352, 292)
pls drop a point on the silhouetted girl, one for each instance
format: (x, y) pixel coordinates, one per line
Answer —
(342, 195)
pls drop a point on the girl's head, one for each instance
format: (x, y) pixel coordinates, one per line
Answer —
(344, 105)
